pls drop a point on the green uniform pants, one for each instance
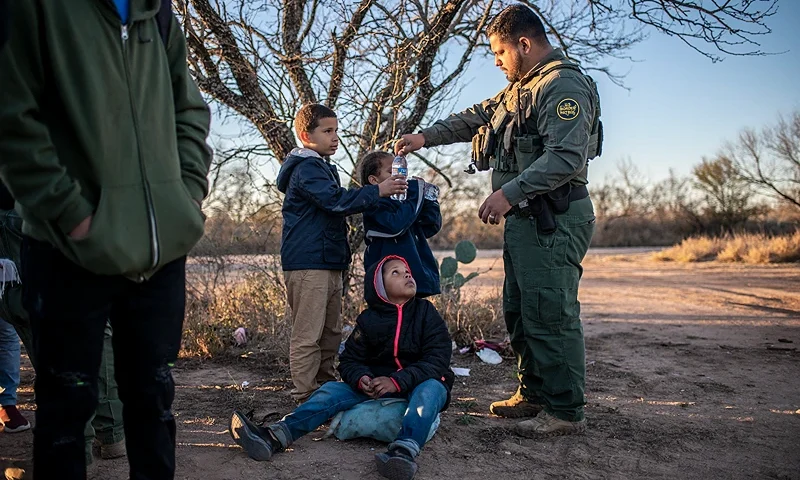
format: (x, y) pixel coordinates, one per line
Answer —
(541, 308)
(106, 423)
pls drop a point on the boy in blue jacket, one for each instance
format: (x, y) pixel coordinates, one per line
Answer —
(314, 248)
(400, 348)
(402, 228)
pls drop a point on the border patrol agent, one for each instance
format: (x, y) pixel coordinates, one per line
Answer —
(537, 136)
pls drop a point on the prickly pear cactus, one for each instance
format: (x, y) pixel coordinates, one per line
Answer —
(466, 251)
(451, 279)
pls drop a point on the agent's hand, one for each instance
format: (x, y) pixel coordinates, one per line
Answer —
(82, 229)
(494, 207)
(365, 384)
(392, 186)
(383, 386)
(410, 142)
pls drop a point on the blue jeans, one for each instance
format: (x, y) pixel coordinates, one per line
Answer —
(424, 404)
(9, 364)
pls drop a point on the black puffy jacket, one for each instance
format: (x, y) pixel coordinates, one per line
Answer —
(408, 343)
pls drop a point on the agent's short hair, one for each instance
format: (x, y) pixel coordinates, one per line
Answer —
(308, 117)
(371, 164)
(517, 21)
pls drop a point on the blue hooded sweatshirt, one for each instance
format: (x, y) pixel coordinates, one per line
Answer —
(402, 228)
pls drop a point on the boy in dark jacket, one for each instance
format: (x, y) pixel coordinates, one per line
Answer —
(314, 248)
(402, 228)
(401, 348)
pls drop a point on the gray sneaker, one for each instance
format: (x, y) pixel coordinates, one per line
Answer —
(396, 465)
(545, 425)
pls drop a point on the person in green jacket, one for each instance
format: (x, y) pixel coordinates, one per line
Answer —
(536, 135)
(103, 147)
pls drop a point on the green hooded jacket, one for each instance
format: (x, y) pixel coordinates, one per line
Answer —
(101, 119)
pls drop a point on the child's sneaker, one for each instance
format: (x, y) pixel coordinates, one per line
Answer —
(396, 464)
(257, 441)
(12, 420)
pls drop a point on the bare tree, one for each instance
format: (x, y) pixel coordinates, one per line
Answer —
(770, 159)
(382, 65)
(711, 27)
(729, 198)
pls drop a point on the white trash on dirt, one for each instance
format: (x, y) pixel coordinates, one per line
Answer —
(489, 356)
(240, 336)
(460, 372)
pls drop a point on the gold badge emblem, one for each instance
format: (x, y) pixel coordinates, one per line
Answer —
(568, 109)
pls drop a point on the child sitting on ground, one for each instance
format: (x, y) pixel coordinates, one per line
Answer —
(314, 248)
(402, 228)
(400, 347)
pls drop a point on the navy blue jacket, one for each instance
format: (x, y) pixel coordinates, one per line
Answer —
(408, 343)
(402, 228)
(314, 210)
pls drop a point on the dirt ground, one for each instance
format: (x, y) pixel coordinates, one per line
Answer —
(693, 372)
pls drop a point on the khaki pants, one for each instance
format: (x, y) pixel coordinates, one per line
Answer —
(315, 301)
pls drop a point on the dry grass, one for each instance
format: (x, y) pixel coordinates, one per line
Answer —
(745, 248)
(221, 301)
(224, 299)
(472, 318)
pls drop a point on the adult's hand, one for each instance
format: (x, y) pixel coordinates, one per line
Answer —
(494, 207)
(410, 142)
(82, 230)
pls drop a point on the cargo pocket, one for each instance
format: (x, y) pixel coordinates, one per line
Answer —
(551, 307)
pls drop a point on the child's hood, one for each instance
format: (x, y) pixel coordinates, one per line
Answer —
(374, 289)
(294, 158)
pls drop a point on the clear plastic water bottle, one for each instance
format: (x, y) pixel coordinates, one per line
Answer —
(399, 167)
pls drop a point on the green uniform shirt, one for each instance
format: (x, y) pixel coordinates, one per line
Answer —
(551, 147)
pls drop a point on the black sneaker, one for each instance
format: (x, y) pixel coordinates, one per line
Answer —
(396, 464)
(256, 441)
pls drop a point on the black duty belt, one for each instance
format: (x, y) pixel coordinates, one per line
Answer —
(545, 207)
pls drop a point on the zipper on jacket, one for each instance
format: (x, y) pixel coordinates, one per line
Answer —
(397, 336)
(151, 215)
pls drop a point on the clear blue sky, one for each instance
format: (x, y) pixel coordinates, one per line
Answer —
(680, 106)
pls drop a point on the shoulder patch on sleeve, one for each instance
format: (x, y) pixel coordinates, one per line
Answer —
(568, 109)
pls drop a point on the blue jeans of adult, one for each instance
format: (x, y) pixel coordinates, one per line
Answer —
(424, 404)
(9, 364)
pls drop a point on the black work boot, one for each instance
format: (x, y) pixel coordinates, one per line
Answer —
(396, 464)
(258, 442)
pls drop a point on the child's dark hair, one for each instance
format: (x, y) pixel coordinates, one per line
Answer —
(309, 115)
(517, 21)
(371, 164)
